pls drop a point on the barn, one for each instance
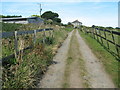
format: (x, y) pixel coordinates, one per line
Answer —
(21, 20)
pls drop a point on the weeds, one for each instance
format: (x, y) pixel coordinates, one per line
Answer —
(26, 70)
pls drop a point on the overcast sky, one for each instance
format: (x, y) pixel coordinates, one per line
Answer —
(89, 12)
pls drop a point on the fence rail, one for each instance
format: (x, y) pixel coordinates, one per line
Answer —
(114, 32)
(10, 34)
(15, 35)
(101, 34)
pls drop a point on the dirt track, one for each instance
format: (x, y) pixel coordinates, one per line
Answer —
(77, 67)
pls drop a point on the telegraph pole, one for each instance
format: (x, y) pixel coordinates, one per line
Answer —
(40, 9)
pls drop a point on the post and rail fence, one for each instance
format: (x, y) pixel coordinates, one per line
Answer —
(15, 34)
(106, 38)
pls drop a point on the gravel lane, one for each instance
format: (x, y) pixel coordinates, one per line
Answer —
(54, 76)
(97, 76)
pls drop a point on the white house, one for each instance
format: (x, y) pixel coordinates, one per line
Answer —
(22, 20)
(76, 24)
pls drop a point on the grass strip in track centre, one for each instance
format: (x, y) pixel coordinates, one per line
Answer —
(109, 62)
(73, 55)
(67, 68)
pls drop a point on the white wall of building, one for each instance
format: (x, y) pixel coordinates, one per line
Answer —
(18, 22)
(77, 24)
(23, 21)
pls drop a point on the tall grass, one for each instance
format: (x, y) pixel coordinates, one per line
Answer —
(26, 70)
(10, 26)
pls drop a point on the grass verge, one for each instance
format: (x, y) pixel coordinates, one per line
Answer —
(109, 62)
(28, 69)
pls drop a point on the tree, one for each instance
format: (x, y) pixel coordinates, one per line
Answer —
(58, 20)
(93, 26)
(69, 23)
(49, 15)
(110, 27)
(49, 21)
(117, 28)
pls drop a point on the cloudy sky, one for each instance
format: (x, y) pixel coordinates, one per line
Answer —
(89, 12)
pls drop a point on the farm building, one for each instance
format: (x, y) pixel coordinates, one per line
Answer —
(22, 20)
(76, 24)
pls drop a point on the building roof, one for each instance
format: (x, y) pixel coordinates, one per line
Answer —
(17, 18)
(76, 21)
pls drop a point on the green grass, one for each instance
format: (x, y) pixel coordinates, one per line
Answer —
(7, 27)
(67, 73)
(59, 35)
(7, 50)
(112, 47)
(69, 29)
(110, 63)
(69, 61)
(26, 71)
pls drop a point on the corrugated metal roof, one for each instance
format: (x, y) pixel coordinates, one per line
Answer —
(17, 18)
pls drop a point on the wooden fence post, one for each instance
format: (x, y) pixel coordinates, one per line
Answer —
(34, 38)
(96, 35)
(115, 43)
(52, 33)
(93, 33)
(81, 28)
(44, 36)
(85, 30)
(90, 31)
(106, 39)
(49, 33)
(100, 37)
(16, 43)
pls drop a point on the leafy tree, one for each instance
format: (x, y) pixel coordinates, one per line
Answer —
(49, 15)
(117, 28)
(110, 27)
(58, 20)
(48, 21)
(69, 23)
(93, 26)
